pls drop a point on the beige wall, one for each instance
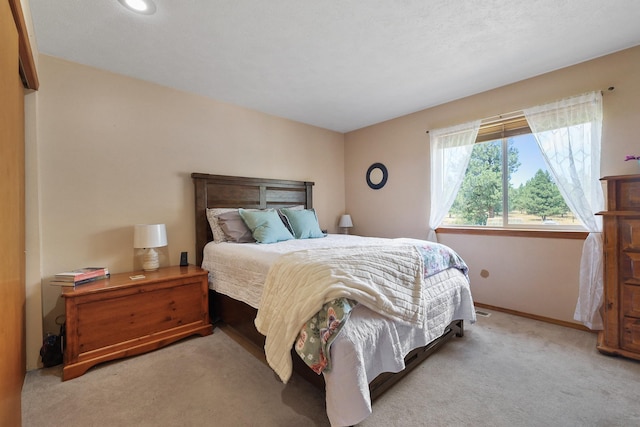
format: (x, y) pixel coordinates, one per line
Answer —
(538, 276)
(113, 151)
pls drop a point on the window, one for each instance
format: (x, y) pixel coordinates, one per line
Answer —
(569, 131)
(507, 184)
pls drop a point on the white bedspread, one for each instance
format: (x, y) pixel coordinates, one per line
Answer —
(370, 343)
(386, 278)
(239, 270)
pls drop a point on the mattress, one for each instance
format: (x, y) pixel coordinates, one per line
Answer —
(369, 344)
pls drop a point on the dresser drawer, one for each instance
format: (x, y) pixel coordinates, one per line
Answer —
(630, 265)
(630, 234)
(631, 300)
(628, 195)
(631, 334)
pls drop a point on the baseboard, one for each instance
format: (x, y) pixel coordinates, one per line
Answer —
(535, 317)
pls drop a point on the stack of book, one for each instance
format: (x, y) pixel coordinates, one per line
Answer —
(80, 276)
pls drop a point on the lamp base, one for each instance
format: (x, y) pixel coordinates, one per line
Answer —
(150, 260)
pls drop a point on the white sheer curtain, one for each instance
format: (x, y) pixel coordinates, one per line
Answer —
(450, 154)
(568, 134)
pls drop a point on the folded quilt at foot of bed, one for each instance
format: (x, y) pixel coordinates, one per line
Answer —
(318, 333)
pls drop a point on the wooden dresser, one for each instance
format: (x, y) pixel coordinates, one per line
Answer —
(119, 317)
(621, 308)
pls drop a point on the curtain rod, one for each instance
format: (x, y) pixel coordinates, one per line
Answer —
(516, 113)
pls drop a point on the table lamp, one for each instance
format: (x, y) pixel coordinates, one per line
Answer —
(149, 237)
(345, 223)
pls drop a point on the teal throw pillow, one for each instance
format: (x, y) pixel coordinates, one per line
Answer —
(304, 223)
(265, 225)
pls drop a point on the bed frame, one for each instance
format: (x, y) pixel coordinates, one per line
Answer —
(221, 191)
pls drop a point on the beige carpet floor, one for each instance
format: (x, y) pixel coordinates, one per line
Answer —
(505, 371)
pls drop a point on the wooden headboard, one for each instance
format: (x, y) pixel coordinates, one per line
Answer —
(223, 191)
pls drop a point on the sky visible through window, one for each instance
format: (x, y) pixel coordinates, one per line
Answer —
(530, 160)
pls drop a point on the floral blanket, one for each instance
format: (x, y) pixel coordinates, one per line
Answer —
(318, 333)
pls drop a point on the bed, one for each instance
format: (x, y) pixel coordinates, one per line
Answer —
(359, 372)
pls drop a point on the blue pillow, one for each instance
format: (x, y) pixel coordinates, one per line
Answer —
(265, 225)
(304, 223)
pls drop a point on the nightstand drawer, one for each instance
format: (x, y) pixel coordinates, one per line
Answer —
(114, 320)
(120, 317)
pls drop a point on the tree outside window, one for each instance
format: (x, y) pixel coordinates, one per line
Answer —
(507, 184)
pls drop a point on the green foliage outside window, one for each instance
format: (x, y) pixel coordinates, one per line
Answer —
(541, 197)
(480, 198)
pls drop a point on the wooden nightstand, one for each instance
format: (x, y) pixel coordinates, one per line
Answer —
(119, 317)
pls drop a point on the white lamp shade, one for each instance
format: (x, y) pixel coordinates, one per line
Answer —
(345, 221)
(149, 235)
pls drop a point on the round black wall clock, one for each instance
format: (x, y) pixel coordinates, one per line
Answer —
(377, 176)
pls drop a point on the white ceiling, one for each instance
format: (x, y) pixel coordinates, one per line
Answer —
(337, 64)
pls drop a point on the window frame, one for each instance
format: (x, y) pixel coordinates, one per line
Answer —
(501, 128)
